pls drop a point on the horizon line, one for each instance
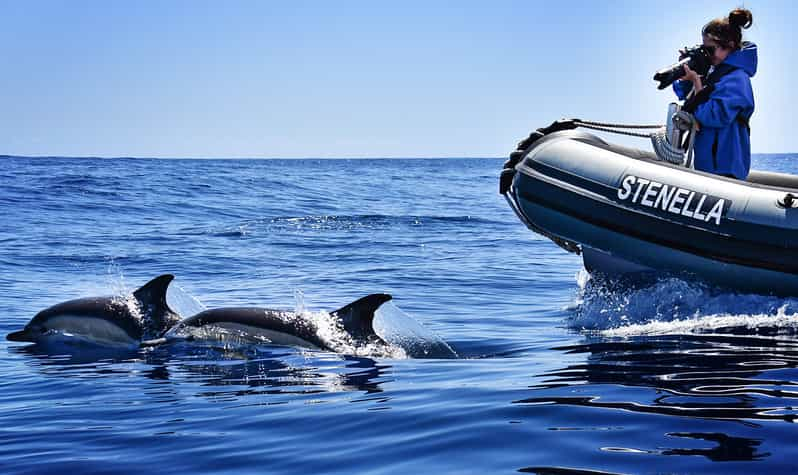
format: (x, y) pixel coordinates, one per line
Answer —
(2, 156)
(453, 157)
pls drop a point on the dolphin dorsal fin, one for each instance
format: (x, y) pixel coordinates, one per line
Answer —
(155, 290)
(358, 317)
(152, 295)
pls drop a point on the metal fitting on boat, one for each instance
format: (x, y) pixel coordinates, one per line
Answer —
(788, 201)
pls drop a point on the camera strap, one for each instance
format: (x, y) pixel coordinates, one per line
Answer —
(692, 103)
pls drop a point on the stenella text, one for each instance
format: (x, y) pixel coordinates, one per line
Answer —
(672, 199)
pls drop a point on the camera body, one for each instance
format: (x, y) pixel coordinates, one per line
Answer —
(698, 58)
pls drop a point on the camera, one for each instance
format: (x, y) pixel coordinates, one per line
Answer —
(698, 58)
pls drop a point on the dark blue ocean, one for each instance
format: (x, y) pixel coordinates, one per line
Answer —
(556, 373)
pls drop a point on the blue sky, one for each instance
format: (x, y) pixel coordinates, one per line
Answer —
(351, 78)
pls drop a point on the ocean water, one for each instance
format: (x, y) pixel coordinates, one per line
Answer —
(556, 372)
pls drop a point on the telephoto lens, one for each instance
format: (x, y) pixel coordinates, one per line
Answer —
(698, 58)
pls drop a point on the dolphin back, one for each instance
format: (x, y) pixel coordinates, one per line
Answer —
(152, 297)
(358, 317)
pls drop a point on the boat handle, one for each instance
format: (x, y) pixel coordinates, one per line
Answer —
(788, 201)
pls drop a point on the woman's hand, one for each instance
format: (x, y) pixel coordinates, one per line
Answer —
(690, 75)
(693, 77)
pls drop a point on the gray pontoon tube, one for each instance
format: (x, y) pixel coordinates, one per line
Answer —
(626, 211)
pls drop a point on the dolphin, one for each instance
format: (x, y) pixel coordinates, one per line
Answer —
(279, 327)
(106, 320)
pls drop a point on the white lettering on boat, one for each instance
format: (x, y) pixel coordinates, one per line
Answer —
(672, 199)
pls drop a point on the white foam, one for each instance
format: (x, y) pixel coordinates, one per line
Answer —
(330, 331)
(785, 323)
(675, 306)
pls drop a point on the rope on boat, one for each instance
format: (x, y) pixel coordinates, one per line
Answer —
(681, 120)
(617, 126)
(665, 151)
(613, 128)
(615, 131)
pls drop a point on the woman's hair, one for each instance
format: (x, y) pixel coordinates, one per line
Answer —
(728, 32)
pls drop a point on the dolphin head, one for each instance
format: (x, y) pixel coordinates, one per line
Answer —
(35, 329)
(31, 333)
(105, 319)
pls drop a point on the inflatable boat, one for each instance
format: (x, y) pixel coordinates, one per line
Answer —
(627, 211)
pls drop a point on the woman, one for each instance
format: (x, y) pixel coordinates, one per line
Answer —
(724, 101)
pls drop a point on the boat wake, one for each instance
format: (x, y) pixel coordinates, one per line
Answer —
(327, 223)
(673, 306)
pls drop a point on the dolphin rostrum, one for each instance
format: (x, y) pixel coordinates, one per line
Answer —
(280, 327)
(106, 320)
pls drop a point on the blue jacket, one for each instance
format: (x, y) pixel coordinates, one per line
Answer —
(723, 146)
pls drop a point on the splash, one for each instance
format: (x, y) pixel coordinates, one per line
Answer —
(400, 329)
(179, 300)
(332, 333)
(675, 306)
(780, 324)
(116, 278)
(299, 301)
(182, 302)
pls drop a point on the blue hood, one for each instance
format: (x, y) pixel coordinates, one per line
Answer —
(744, 58)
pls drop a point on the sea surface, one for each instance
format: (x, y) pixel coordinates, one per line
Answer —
(556, 373)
